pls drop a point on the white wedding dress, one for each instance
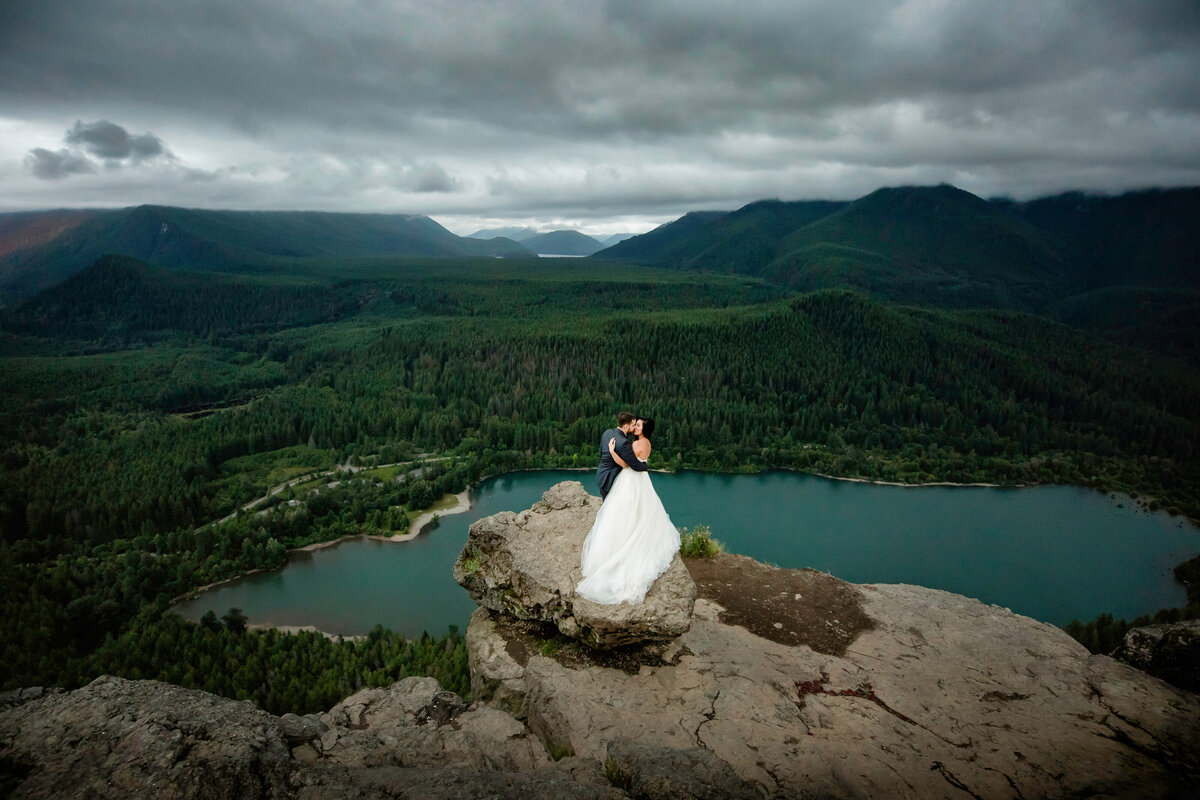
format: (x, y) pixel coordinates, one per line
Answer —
(630, 544)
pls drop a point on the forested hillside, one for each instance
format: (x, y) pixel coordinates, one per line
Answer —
(120, 300)
(1148, 238)
(744, 241)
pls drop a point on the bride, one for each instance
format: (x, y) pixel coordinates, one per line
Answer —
(632, 540)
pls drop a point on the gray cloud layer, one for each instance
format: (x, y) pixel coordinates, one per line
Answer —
(102, 139)
(585, 110)
(52, 165)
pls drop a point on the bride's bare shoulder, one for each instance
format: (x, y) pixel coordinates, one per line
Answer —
(641, 448)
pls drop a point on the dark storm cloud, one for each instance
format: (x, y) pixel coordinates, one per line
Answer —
(52, 165)
(431, 178)
(628, 68)
(106, 140)
(522, 106)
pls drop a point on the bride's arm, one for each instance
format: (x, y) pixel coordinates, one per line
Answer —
(612, 451)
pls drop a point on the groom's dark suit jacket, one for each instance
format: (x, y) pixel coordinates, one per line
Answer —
(608, 470)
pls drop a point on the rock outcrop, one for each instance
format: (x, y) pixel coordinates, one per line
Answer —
(804, 685)
(141, 739)
(1168, 651)
(785, 683)
(118, 738)
(942, 697)
(527, 565)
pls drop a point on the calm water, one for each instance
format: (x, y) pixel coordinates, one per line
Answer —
(1053, 553)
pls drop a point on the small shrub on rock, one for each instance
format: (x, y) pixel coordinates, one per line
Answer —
(698, 543)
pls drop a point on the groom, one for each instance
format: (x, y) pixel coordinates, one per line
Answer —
(608, 470)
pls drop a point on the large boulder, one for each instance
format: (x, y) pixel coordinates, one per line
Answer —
(527, 565)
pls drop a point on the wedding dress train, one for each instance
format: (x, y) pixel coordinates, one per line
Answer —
(630, 544)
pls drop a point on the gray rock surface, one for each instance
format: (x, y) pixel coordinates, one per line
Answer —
(527, 565)
(142, 739)
(1169, 651)
(569, 778)
(119, 738)
(416, 723)
(944, 697)
(496, 677)
(649, 773)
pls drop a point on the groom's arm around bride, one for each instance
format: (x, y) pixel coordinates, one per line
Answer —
(608, 470)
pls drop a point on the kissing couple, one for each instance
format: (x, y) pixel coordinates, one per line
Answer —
(632, 540)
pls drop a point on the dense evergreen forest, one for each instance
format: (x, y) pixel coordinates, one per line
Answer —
(128, 432)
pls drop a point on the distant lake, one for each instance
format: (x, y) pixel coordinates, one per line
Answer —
(1054, 553)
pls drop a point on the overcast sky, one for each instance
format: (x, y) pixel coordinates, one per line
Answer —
(601, 116)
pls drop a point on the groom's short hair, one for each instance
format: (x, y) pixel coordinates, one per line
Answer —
(625, 417)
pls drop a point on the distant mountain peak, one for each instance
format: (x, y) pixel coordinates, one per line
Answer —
(563, 243)
(516, 234)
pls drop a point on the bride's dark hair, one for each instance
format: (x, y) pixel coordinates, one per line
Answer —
(647, 427)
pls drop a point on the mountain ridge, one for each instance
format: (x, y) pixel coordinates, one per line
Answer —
(938, 246)
(943, 246)
(916, 243)
(223, 241)
(563, 243)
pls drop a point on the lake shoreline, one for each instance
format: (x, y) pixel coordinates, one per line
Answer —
(292, 630)
(875, 482)
(462, 504)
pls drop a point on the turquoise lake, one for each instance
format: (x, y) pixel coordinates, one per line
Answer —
(1053, 553)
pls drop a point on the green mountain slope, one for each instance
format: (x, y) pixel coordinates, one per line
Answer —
(742, 241)
(938, 246)
(231, 241)
(667, 245)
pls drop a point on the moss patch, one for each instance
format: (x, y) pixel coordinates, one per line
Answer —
(788, 606)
